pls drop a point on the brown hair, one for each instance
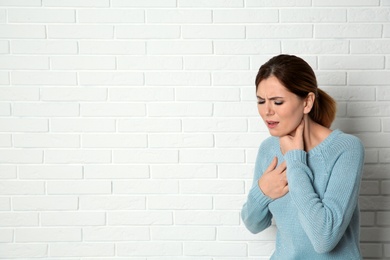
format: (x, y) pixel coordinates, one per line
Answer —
(298, 77)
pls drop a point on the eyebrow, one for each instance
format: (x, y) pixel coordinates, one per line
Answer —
(272, 98)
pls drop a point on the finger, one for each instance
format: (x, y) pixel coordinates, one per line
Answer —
(282, 167)
(272, 164)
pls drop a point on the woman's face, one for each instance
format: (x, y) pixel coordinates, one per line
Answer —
(281, 110)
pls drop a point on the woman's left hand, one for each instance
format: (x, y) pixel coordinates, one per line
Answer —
(293, 141)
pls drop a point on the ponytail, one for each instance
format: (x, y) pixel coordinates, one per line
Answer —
(324, 109)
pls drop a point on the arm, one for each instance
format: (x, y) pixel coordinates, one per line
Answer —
(326, 220)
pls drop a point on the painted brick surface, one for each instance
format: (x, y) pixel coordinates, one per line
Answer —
(129, 129)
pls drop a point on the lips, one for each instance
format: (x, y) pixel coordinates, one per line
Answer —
(272, 124)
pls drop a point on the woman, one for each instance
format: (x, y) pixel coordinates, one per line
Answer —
(307, 177)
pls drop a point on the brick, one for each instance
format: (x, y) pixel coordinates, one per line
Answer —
(46, 140)
(216, 63)
(47, 234)
(145, 187)
(215, 249)
(47, 172)
(180, 109)
(229, 202)
(23, 250)
(19, 219)
(367, 218)
(76, 3)
(207, 94)
(142, 94)
(110, 16)
(371, 156)
(385, 186)
(384, 156)
(347, 31)
(82, 63)
(44, 203)
(111, 78)
(208, 218)
(371, 250)
(8, 172)
(313, 15)
(179, 47)
(246, 16)
(180, 140)
(77, 156)
(4, 47)
(211, 187)
(235, 109)
(233, 78)
(239, 140)
(215, 125)
(112, 109)
(383, 93)
(116, 171)
(149, 125)
(94, 234)
(19, 94)
(357, 124)
(351, 93)
(251, 47)
(79, 187)
(82, 125)
(21, 156)
(183, 233)
(43, 47)
(145, 156)
(147, 32)
(80, 31)
(316, 47)
(330, 78)
(242, 234)
(369, 188)
(178, 16)
(110, 203)
(149, 63)
(20, 3)
(369, 15)
(150, 249)
(145, 3)
(370, 234)
(213, 32)
(376, 171)
(114, 140)
(22, 15)
(369, 109)
(112, 47)
(6, 235)
(351, 62)
(257, 125)
(211, 155)
(377, 46)
(187, 202)
(73, 218)
(73, 94)
(386, 31)
(279, 31)
(236, 172)
(5, 205)
(376, 203)
(386, 124)
(5, 140)
(176, 171)
(43, 78)
(281, 3)
(82, 249)
(24, 63)
(177, 78)
(45, 109)
(149, 217)
(19, 31)
(345, 3)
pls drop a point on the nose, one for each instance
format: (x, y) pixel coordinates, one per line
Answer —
(269, 110)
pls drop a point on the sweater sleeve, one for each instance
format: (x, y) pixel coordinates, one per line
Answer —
(326, 220)
(255, 213)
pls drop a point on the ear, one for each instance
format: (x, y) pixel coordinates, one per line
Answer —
(308, 103)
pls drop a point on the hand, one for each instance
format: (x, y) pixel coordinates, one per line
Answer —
(293, 141)
(273, 183)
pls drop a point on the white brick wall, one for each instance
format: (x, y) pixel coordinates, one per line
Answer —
(129, 128)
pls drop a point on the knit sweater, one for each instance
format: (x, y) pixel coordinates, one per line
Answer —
(319, 217)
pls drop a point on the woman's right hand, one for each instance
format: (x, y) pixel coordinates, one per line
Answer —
(273, 182)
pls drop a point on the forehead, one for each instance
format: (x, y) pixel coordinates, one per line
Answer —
(272, 87)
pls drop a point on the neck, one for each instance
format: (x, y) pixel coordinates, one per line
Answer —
(313, 133)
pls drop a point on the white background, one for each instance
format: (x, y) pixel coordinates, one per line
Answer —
(129, 128)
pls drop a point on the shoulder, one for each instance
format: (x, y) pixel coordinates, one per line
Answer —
(346, 143)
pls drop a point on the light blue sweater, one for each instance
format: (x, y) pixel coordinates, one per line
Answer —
(319, 217)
